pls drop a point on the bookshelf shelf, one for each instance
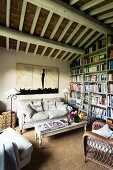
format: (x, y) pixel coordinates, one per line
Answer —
(95, 74)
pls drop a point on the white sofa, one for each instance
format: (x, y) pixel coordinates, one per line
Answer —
(22, 149)
(31, 112)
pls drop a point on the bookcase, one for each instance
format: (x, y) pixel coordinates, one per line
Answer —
(91, 80)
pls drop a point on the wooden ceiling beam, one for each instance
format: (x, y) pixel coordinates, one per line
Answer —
(86, 38)
(80, 36)
(17, 46)
(20, 36)
(64, 55)
(8, 6)
(35, 20)
(56, 27)
(93, 40)
(43, 52)
(73, 33)
(104, 16)
(108, 21)
(68, 56)
(27, 48)
(90, 4)
(102, 9)
(73, 2)
(57, 54)
(36, 48)
(72, 14)
(46, 23)
(65, 30)
(51, 52)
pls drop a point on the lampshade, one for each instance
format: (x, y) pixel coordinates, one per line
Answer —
(12, 91)
(66, 90)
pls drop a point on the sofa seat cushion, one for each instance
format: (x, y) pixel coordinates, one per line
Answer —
(24, 146)
(37, 117)
(57, 113)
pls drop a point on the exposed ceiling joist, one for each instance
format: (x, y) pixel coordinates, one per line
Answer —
(56, 27)
(7, 44)
(24, 5)
(90, 4)
(86, 38)
(63, 55)
(73, 2)
(18, 45)
(27, 48)
(68, 56)
(51, 52)
(8, 6)
(73, 14)
(93, 40)
(74, 57)
(80, 36)
(35, 20)
(57, 54)
(108, 21)
(20, 36)
(35, 51)
(44, 50)
(65, 30)
(8, 13)
(102, 9)
(73, 33)
(104, 16)
(46, 23)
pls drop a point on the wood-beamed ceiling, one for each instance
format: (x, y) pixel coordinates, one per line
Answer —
(57, 29)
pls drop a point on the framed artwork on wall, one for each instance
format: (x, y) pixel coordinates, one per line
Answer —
(35, 79)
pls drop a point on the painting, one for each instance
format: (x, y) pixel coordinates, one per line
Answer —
(36, 79)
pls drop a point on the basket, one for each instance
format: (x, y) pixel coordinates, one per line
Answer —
(5, 120)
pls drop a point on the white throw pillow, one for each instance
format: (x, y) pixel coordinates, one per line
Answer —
(57, 113)
(37, 117)
(37, 106)
(105, 131)
(28, 111)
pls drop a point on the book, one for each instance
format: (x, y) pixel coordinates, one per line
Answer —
(43, 128)
(55, 124)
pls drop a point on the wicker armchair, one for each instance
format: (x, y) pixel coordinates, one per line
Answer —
(98, 148)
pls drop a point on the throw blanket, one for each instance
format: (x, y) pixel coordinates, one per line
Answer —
(8, 160)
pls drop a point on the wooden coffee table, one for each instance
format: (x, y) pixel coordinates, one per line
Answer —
(73, 125)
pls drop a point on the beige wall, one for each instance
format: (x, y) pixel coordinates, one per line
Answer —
(8, 60)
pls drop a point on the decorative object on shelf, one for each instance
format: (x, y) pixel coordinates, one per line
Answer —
(66, 92)
(12, 94)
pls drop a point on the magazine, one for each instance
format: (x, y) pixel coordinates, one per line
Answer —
(55, 124)
(43, 128)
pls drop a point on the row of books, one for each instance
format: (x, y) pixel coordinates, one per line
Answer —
(97, 77)
(76, 71)
(96, 58)
(110, 77)
(110, 88)
(78, 78)
(76, 95)
(110, 100)
(94, 68)
(76, 87)
(98, 112)
(110, 65)
(98, 100)
(51, 125)
(95, 88)
(110, 112)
